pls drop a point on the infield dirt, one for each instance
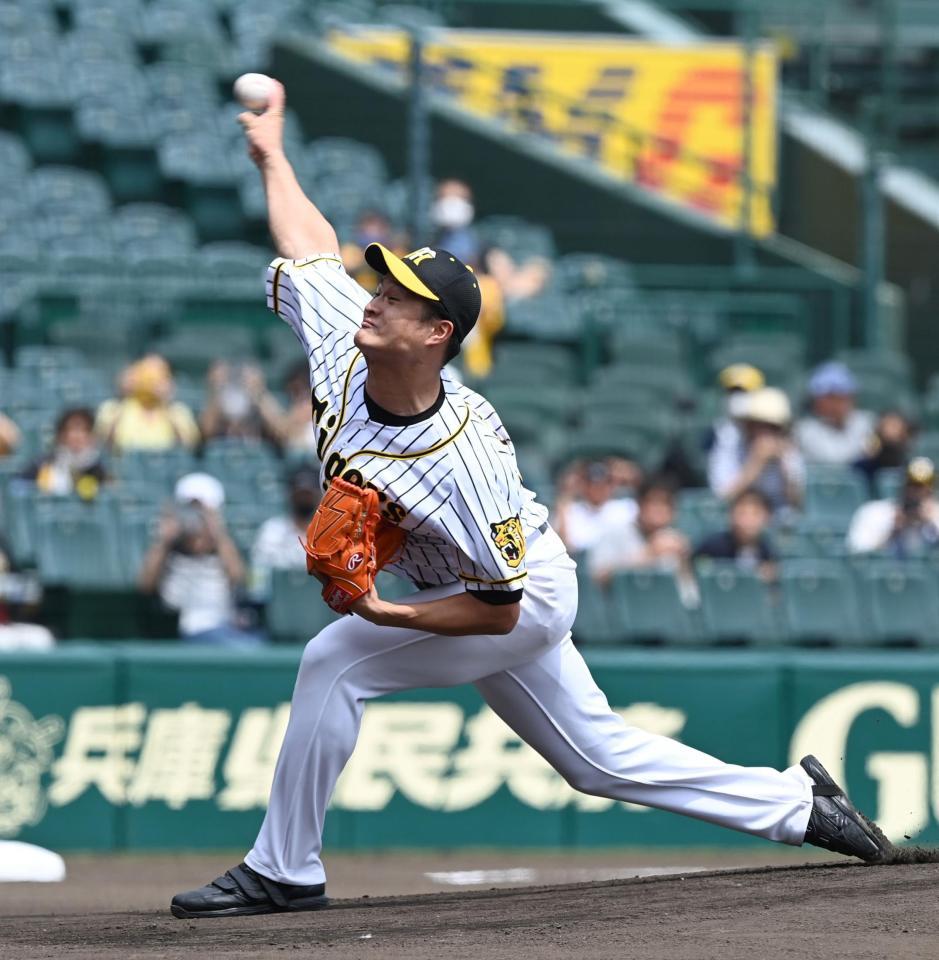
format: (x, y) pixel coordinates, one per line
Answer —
(116, 909)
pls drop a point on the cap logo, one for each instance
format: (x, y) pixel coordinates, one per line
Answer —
(419, 256)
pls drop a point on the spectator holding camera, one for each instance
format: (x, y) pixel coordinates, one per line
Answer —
(195, 568)
(888, 446)
(906, 527)
(763, 457)
(238, 404)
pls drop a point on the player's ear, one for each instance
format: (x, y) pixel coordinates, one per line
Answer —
(441, 330)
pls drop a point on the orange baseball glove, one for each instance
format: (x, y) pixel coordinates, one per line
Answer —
(348, 542)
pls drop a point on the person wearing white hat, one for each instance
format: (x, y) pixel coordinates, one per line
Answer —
(195, 567)
(765, 459)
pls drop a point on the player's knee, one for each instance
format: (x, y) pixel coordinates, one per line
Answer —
(586, 779)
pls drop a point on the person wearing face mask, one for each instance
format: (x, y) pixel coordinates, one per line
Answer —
(240, 405)
(146, 417)
(278, 544)
(452, 214)
(74, 464)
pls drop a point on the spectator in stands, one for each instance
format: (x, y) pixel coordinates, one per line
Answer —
(905, 527)
(888, 448)
(277, 545)
(240, 405)
(299, 429)
(74, 464)
(835, 431)
(586, 509)
(649, 540)
(373, 226)
(20, 595)
(745, 541)
(195, 567)
(681, 460)
(9, 436)
(764, 456)
(146, 417)
(452, 214)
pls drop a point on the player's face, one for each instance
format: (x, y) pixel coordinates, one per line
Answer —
(393, 322)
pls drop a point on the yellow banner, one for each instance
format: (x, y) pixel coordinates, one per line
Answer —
(667, 118)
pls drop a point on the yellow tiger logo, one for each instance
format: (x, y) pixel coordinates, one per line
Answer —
(508, 537)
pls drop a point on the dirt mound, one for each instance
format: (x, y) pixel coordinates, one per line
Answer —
(824, 910)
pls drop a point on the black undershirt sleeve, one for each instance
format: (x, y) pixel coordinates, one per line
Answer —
(497, 597)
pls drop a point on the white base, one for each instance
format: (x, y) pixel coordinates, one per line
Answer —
(25, 862)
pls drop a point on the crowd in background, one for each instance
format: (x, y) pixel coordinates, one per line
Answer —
(610, 513)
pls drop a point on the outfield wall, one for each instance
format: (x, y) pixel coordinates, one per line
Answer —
(133, 747)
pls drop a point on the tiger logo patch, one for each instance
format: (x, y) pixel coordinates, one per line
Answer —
(508, 537)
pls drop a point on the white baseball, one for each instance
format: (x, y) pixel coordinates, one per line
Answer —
(253, 90)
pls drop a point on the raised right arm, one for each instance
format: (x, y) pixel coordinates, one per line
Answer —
(297, 227)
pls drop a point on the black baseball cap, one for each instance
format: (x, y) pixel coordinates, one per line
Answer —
(437, 275)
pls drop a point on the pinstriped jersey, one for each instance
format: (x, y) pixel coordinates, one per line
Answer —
(447, 477)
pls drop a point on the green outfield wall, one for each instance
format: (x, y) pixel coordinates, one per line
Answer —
(134, 747)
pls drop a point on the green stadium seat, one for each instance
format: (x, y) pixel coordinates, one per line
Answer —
(295, 611)
(235, 259)
(78, 546)
(544, 318)
(15, 160)
(901, 601)
(888, 482)
(162, 467)
(819, 603)
(558, 406)
(518, 237)
(833, 494)
(735, 606)
(574, 272)
(110, 51)
(191, 348)
(927, 445)
(109, 16)
(590, 443)
(646, 606)
(19, 498)
(700, 514)
(553, 363)
(878, 362)
(144, 230)
(619, 379)
(39, 89)
(139, 526)
(661, 349)
(411, 17)
(60, 190)
(594, 622)
(338, 157)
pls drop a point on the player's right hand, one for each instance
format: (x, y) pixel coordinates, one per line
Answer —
(265, 131)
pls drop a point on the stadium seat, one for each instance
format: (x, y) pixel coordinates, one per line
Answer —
(544, 318)
(700, 514)
(819, 603)
(519, 237)
(15, 160)
(191, 348)
(295, 611)
(574, 272)
(78, 546)
(646, 606)
(144, 230)
(833, 494)
(901, 602)
(735, 605)
(62, 190)
(594, 623)
(338, 157)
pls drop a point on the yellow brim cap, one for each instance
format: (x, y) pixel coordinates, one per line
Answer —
(383, 261)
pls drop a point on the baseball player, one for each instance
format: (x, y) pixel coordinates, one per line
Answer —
(496, 593)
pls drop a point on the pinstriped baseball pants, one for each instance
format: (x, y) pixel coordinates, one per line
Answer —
(538, 683)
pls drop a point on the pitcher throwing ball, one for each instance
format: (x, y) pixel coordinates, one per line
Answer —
(495, 593)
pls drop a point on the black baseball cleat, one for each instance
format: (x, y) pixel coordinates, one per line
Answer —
(836, 825)
(242, 891)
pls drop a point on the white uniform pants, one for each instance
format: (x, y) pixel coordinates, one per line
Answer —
(538, 683)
